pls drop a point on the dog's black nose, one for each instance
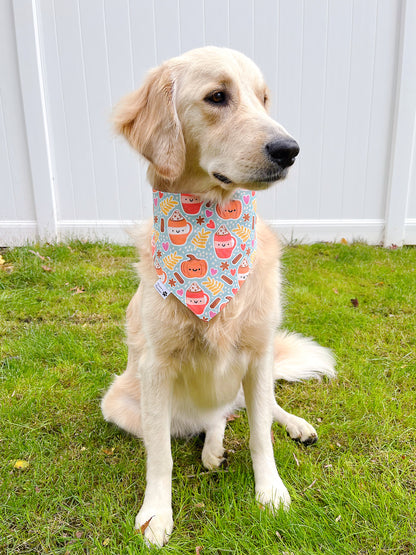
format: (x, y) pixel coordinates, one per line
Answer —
(282, 151)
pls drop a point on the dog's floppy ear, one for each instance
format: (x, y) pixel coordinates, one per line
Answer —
(149, 121)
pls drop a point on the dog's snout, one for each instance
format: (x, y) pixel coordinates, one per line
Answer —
(282, 151)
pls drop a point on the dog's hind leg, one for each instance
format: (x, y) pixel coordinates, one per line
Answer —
(121, 403)
(297, 428)
(298, 358)
(213, 450)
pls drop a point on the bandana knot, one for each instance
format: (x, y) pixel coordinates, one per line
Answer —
(202, 251)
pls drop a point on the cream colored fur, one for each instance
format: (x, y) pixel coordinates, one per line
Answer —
(184, 376)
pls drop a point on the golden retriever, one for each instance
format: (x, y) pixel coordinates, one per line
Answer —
(201, 120)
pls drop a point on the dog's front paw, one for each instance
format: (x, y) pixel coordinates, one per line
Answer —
(300, 430)
(274, 496)
(212, 458)
(156, 526)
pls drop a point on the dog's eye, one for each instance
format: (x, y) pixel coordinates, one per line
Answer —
(218, 97)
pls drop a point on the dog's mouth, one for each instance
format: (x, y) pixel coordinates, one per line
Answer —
(258, 179)
(222, 178)
(272, 177)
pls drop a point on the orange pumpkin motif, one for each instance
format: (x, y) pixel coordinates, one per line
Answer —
(194, 267)
(230, 211)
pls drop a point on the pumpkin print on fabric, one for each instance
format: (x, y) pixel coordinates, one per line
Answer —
(203, 252)
(194, 267)
(231, 211)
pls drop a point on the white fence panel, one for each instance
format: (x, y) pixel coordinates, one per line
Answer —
(399, 226)
(17, 209)
(342, 76)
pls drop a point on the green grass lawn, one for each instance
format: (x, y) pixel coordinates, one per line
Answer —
(62, 339)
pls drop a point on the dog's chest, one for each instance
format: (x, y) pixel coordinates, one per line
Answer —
(208, 381)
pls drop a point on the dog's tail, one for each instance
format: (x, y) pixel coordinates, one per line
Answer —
(298, 358)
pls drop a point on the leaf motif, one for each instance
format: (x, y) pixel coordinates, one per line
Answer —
(242, 232)
(213, 285)
(201, 238)
(167, 204)
(171, 260)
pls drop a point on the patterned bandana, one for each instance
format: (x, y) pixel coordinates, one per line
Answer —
(203, 252)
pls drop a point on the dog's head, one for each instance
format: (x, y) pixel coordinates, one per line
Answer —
(202, 122)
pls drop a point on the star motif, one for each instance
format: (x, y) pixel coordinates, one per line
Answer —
(155, 219)
(200, 220)
(172, 282)
(158, 254)
(224, 266)
(248, 251)
(246, 217)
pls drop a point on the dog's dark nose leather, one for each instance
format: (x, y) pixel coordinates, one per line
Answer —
(282, 151)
